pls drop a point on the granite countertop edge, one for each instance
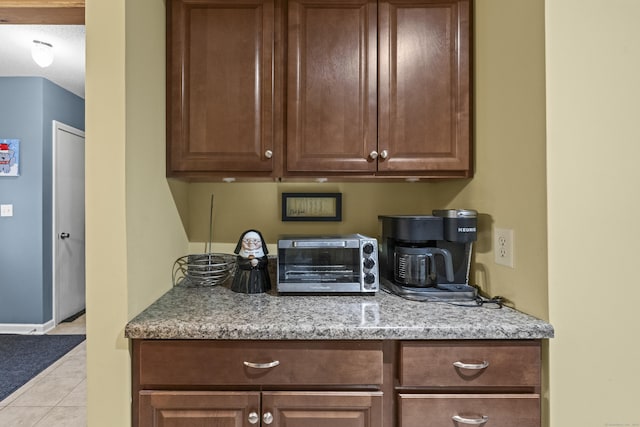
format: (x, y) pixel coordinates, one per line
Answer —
(220, 314)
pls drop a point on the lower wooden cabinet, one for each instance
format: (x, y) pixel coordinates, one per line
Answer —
(465, 383)
(280, 383)
(194, 383)
(234, 409)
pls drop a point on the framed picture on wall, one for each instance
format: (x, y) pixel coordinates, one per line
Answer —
(9, 157)
(311, 206)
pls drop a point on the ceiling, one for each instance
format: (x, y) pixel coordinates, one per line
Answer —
(68, 68)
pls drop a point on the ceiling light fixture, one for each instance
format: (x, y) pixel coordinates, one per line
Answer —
(42, 53)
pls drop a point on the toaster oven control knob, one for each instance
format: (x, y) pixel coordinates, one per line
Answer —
(369, 279)
(367, 248)
(369, 263)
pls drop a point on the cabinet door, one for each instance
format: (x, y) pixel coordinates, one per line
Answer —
(324, 409)
(424, 87)
(195, 409)
(219, 84)
(331, 83)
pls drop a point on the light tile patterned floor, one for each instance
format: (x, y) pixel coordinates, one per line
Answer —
(57, 397)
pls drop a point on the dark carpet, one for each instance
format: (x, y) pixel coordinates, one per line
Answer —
(22, 357)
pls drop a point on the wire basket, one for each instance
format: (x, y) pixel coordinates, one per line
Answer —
(208, 269)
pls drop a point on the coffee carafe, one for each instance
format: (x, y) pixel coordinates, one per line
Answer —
(428, 254)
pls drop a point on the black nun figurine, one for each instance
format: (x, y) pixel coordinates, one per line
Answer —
(252, 275)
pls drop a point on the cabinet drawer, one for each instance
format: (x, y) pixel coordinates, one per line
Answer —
(307, 363)
(433, 364)
(500, 410)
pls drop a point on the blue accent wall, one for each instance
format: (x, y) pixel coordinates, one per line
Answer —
(28, 105)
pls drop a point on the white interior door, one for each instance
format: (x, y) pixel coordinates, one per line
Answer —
(68, 220)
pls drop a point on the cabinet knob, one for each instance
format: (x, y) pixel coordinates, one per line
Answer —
(267, 417)
(470, 421)
(373, 155)
(268, 154)
(384, 154)
(253, 418)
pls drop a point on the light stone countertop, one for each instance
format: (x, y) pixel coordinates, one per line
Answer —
(218, 313)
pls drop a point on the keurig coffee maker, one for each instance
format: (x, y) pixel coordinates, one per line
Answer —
(428, 257)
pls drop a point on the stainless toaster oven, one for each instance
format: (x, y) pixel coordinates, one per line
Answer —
(327, 264)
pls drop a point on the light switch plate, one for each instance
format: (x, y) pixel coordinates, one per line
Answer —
(6, 210)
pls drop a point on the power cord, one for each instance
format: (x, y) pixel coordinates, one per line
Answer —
(478, 301)
(496, 302)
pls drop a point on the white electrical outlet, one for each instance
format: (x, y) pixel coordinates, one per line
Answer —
(6, 210)
(503, 246)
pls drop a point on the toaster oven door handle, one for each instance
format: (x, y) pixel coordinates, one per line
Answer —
(319, 244)
(262, 365)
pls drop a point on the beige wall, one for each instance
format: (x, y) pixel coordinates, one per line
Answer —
(133, 226)
(136, 219)
(593, 64)
(106, 242)
(509, 187)
(509, 184)
(155, 234)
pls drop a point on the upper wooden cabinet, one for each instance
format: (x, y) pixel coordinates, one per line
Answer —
(424, 87)
(378, 87)
(220, 87)
(331, 86)
(319, 88)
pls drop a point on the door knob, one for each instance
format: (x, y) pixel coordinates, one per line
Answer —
(268, 154)
(373, 155)
(64, 236)
(384, 154)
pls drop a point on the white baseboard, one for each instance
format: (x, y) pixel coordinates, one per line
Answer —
(27, 328)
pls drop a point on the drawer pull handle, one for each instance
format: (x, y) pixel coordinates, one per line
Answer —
(262, 365)
(476, 366)
(470, 421)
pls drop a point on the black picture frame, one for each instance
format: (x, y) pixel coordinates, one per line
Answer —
(311, 206)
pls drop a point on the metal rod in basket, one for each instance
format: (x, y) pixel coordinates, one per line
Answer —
(208, 249)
